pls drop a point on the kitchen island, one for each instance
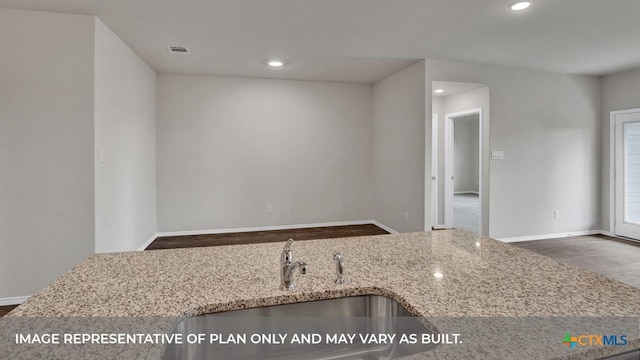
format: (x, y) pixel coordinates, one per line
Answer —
(444, 274)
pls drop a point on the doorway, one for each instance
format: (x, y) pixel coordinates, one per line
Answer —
(463, 170)
(625, 166)
(457, 99)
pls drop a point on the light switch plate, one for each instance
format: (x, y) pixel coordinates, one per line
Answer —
(497, 155)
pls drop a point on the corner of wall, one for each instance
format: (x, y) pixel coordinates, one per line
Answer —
(124, 138)
(399, 130)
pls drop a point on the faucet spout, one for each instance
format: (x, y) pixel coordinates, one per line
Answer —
(288, 282)
(288, 267)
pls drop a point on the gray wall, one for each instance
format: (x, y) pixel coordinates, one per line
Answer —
(125, 134)
(228, 147)
(466, 154)
(46, 147)
(619, 92)
(549, 126)
(399, 150)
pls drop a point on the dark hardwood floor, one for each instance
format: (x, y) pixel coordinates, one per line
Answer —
(5, 309)
(328, 232)
(615, 258)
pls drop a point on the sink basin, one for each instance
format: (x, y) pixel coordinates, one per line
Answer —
(332, 321)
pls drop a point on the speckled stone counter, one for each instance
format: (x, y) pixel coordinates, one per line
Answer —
(481, 277)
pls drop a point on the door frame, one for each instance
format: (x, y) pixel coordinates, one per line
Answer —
(435, 189)
(612, 166)
(449, 164)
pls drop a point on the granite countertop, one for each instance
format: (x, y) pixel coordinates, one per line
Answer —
(481, 278)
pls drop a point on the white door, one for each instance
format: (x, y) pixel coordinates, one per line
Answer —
(434, 169)
(627, 173)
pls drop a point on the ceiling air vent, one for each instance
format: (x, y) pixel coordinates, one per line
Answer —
(178, 50)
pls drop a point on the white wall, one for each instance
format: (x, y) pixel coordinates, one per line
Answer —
(228, 147)
(548, 125)
(125, 134)
(46, 147)
(466, 154)
(619, 92)
(399, 149)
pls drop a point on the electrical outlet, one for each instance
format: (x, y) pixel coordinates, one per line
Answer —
(269, 209)
(406, 216)
(556, 214)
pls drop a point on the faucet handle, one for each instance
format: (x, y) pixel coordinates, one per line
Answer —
(339, 260)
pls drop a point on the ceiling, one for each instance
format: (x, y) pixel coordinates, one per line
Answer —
(451, 88)
(365, 40)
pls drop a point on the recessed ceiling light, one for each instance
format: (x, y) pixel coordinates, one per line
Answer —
(438, 91)
(520, 5)
(438, 275)
(275, 63)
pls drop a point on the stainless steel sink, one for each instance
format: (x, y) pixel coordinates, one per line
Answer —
(352, 316)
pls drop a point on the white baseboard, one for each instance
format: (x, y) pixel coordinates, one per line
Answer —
(384, 227)
(551, 236)
(148, 242)
(439, 227)
(267, 228)
(13, 300)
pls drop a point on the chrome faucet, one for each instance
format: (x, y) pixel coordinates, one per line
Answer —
(340, 279)
(288, 266)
